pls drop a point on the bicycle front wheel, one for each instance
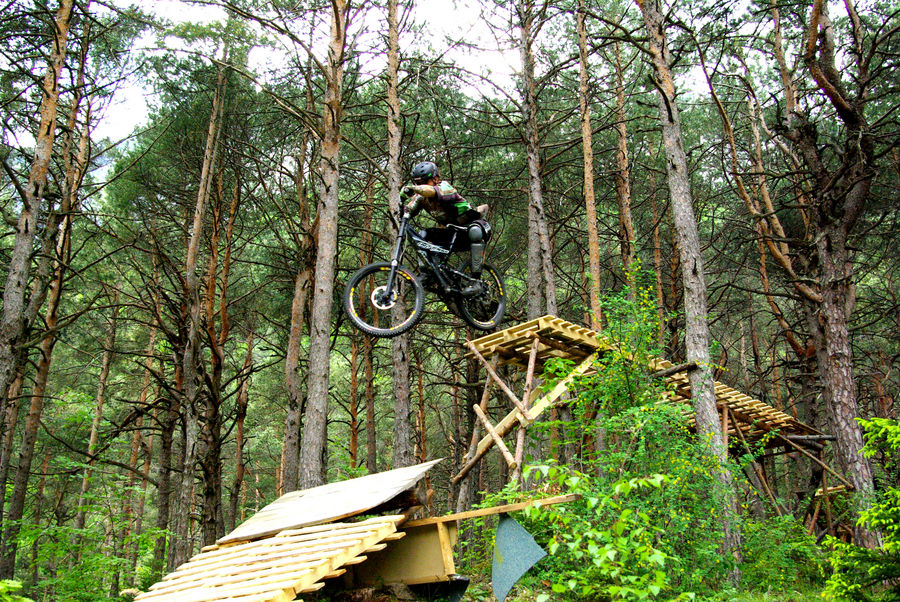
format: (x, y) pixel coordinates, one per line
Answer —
(485, 310)
(379, 312)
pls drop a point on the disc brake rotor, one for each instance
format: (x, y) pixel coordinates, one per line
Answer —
(382, 301)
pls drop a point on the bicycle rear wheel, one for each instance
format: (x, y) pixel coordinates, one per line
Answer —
(485, 310)
(377, 313)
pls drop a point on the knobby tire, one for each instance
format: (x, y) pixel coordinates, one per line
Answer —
(365, 315)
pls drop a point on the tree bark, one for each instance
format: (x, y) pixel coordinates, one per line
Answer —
(403, 431)
(312, 446)
(302, 281)
(541, 280)
(240, 439)
(587, 146)
(709, 428)
(623, 177)
(12, 323)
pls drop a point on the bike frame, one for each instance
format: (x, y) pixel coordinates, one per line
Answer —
(423, 248)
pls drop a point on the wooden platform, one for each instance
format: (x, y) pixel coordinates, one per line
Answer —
(742, 416)
(275, 569)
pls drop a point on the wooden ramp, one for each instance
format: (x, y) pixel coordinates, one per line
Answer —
(275, 569)
(531, 344)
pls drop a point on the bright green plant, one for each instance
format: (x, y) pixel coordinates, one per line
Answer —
(604, 548)
(860, 573)
(7, 587)
(779, 555)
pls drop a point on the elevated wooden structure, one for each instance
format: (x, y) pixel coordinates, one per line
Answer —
(531, 344)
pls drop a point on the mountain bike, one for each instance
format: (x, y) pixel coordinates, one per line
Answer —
(386, 299)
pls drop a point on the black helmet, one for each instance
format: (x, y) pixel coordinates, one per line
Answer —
(424, 171)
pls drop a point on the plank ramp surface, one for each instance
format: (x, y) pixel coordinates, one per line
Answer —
(275, 569)
(328, 503)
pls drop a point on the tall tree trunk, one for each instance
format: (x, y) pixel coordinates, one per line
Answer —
(312, 447)
(240, 416)
(182, 544)
(840, 196)
(657, 264)
(623, 176)
(709, 428)
(12, 324)
(587, 147)
(403, 432)
(290, 456)
(367, 254)
(60, 261)
(541, 281)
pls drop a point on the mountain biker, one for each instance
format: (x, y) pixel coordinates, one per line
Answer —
(446, 206)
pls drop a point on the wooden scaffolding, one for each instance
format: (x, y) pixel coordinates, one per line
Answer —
(530, 345)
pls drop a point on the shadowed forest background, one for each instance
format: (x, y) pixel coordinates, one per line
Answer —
(699, 181)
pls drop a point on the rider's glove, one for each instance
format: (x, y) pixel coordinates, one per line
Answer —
(404, 211)
(406, 192)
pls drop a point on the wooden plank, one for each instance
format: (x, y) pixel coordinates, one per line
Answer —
(498, 441)
(417, 558)
(458, 516)
(328, 503)
(446, 548)
(276, 571)
(503, 387)
(506, 425)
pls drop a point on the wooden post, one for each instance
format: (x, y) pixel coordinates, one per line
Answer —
(526, 418)
(498, 440)
(526, 398)
(817, 461)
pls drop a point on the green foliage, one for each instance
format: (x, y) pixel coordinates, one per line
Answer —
(649, 522)
(75, 565)
(779, 555)
(7, 587)
(606, 549)
(871, 574)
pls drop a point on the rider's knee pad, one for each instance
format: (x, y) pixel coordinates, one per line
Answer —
(476, 233)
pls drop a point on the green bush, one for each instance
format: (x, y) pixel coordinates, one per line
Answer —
(860, 573)
(779, 555)
(7, 586)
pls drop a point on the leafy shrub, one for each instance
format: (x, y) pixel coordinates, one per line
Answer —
(860, 573)
(7, 586)
(779, 555)
(604, 548)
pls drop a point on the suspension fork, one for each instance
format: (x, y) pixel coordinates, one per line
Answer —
(395, 258)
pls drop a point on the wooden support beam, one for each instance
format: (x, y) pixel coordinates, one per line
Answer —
(503, 387)
(498, 440)
(505, 426)
(816, 460)
(446, 549)
(458, 516)
(759, 473)
(526, 397)
(688, 367)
